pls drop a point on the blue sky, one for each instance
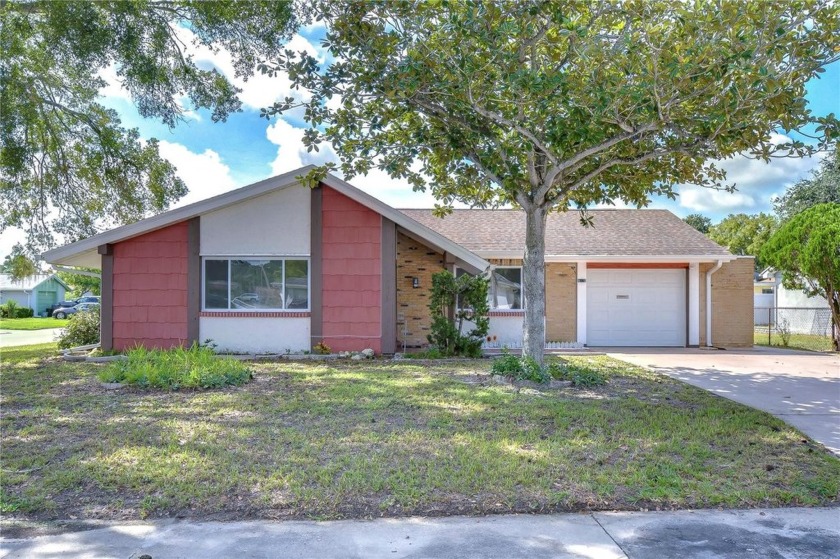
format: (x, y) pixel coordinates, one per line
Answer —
(216, 157)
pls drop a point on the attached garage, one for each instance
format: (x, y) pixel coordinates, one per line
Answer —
(636, 307)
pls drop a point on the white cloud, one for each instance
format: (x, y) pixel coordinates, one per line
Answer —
(113, 88)
(258, 91)
(397, 193)
(9, 238)
(204, 173)
(757, 184)
(291, 153)
(707, 200)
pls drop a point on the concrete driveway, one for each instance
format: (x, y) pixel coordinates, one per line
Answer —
(799, 387)
(9, 338)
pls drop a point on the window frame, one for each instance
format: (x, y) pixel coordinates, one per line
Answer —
(491, 292)
(229, 259)
(490, 288)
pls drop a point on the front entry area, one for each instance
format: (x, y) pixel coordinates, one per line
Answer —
(636, 307)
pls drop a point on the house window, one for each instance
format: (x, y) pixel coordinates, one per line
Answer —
(506, 289)
(256, 284)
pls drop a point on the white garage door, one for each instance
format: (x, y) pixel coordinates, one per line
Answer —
(635, 307)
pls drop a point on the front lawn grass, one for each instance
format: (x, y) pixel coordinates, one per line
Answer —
(388, 438)
(34, 323)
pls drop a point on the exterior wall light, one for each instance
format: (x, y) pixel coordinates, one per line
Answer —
(415, 282)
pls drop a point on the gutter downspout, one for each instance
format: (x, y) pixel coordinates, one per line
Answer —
(709, 302)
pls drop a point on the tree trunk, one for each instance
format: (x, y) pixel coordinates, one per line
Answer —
(834, 304)
(533, 283)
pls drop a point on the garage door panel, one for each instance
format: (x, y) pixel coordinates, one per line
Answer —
(636, 307)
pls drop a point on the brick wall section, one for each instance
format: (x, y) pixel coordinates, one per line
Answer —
(560, 302)
(732, 303)
(150, 289)
(560, 298)
(352, 274)
(413, 316)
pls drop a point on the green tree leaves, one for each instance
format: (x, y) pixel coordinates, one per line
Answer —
(699, 222)
(744, 234)
(822, 187)
(68, 165)
(807, 251)
(554, 104)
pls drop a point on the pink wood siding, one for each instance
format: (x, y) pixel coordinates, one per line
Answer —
(352, 274)
(150, 289)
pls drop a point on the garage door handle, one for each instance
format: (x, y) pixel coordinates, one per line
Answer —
(622, 296)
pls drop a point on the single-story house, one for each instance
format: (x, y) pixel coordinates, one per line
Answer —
(278, 266)
(36, 292)
(769, 282)
(776, 304)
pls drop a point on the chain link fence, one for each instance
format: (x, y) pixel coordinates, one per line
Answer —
(794, 327)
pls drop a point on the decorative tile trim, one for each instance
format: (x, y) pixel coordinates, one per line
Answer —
(506, 313)
(267, 314)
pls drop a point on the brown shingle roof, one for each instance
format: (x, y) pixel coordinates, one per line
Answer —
(615, 233)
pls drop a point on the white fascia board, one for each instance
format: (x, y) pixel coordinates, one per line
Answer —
(67, 254)
(439, 241)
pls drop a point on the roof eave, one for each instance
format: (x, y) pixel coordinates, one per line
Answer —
(656, 258)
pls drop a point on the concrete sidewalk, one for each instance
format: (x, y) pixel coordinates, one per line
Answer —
(789, 533)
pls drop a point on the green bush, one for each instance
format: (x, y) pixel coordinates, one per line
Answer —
(516, 368)
(82, 329)
(173, 369)
(582, 377)
(454, 303)
(525, 368)
(24, 312)
(9, 309)
(507, 365)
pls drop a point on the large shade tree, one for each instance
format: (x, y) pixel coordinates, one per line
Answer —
(745, 234)
(823, 186)
(68, 165)
(550, 105)
(699, 222)
(806, 249)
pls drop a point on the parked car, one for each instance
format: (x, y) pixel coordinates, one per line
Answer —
(64, 312)
(89, 299)
(61, 305)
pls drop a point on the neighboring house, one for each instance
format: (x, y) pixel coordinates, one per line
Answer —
(775, 303)
(35, 292)
(275, 266)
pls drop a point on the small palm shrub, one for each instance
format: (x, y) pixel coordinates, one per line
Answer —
(83, 329)
(172, 369)
(9, 309)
